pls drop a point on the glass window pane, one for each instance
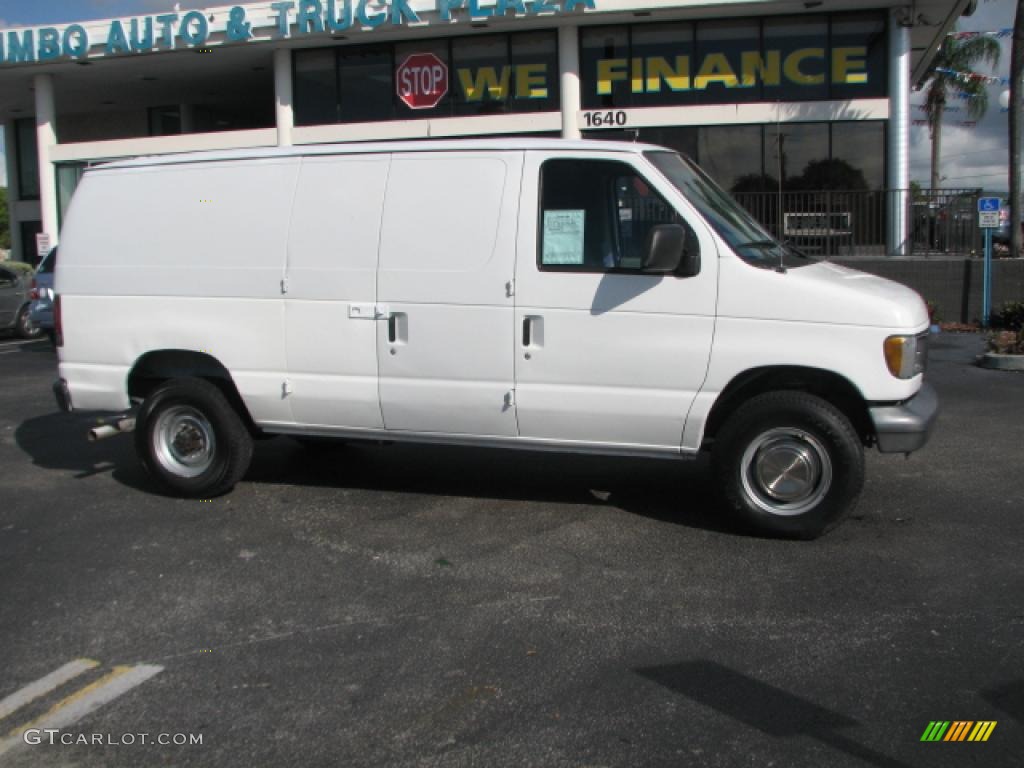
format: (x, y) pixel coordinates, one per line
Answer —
(666, 51)
(365, 83)
(718, 66)
(596, 215)
(316, 87)
(483, 80)
(858, 155)
(731, 155)
(794, 63)
(604, 64)
(28, 159)
(859, 56)
(534, 58)
(804, 159)
(444, 107)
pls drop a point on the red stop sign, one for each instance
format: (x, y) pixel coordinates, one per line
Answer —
(422, 80)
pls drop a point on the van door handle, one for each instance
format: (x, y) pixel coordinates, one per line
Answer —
(533, 331)
(398, 328)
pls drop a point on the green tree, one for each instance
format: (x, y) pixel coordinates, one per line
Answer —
(5, 221)
(957, 58)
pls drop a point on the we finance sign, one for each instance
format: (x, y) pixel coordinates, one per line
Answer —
(294, 18)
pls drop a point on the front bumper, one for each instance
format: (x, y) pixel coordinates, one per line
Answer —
(906, 427)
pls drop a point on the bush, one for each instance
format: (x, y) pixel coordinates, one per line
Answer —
(1009, 316)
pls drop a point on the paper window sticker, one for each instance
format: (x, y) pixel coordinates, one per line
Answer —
(563, 237)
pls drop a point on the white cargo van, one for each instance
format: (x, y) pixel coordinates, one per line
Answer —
(541, 294)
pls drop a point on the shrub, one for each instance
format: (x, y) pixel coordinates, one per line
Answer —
(1009, 316)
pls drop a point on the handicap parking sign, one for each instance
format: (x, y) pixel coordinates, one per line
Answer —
(988, 205)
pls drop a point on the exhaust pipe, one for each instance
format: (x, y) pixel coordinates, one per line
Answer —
(103, 431)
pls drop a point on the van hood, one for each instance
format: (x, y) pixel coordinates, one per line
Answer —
(821, 293)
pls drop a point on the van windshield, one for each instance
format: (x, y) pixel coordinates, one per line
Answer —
(751, 242)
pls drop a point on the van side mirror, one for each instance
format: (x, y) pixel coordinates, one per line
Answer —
(663, 250)
(669, 250)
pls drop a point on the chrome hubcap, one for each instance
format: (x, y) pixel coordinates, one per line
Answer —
(786, 471)
(183, 441)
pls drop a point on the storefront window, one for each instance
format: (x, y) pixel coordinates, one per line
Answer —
(440, 49)
(793, 58)
(665, 54)
(794, 65)
(365, 84)
(316, 87)
(723, 47)
(534, 58)
(858, 151)
(731, 154)
(798, 153)
(859, 60)
(27, 156)
(483, 77)
(604, 62)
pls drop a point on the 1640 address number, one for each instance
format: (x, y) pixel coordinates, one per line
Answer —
(607, 119)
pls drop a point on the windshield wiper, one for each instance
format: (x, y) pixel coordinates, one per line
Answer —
(759, 244)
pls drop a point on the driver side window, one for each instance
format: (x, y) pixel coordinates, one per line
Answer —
(595, 216)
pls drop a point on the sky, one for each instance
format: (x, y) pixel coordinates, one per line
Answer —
(971, 156)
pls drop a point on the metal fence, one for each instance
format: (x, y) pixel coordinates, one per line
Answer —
(847, 223)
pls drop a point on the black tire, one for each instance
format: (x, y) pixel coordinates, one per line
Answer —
(191, 439)
(24, 326)
(789, 464)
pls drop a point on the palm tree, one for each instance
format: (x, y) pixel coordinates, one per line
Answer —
(1016, 110)
(957, 56)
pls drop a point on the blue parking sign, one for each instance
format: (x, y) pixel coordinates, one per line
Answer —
(988, 205)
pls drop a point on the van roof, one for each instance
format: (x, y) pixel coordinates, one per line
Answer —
(361, 148)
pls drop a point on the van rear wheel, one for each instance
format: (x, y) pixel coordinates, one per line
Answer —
(789, 464)
(191, 439)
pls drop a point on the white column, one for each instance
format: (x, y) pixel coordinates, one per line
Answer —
(46, 138)
(13, 194)
(569, 78)
(898, 140)
(283, 96)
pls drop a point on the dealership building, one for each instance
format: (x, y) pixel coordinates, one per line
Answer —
(764, 94)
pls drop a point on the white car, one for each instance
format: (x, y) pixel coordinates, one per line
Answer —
(570, 296)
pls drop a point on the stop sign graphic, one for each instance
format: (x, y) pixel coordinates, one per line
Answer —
(422, 81)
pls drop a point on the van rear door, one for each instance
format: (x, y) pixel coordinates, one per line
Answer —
(447, 258)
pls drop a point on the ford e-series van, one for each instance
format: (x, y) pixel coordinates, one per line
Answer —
(555, 295)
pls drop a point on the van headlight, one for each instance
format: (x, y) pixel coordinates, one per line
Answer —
(906, 356)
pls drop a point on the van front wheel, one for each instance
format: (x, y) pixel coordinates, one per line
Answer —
(191, 439)
(789, 464)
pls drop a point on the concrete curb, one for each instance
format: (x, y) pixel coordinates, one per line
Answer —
(999, 362)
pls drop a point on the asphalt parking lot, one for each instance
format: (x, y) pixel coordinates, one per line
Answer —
(408, 606)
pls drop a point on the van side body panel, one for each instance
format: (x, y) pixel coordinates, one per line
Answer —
(178, 257)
